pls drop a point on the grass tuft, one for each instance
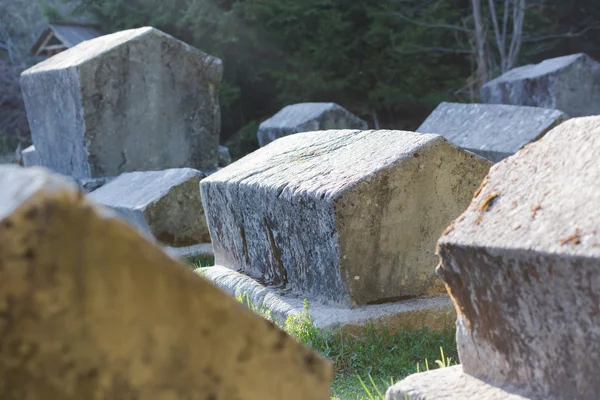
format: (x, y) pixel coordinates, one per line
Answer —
(381, 356)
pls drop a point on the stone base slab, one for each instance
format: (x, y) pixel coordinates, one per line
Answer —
(449, 383)
(190, 252)
(435, 312)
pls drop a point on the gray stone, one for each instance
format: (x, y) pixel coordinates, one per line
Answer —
(450, 383)
(190, 252)
(30, 157)
(342, 216)
(493, 131)
(522, 267)
(165, 204)
(92, 310)
(436, 312)
(307, 117)
(224, 156)
(131, 101)
(570, 84)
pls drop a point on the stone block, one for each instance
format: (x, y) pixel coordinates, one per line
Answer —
(91, 184)
(307, 117)
(435, 312)
(30, 157)
(341, 216)
(450, 383)
(568, 83)
(165, 204)
(92, 310)
(521, 264)
(224, 156)
(493, 131)
(134, 100)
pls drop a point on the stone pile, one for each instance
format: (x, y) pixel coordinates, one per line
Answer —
(91, 309)
(307, 117)
(345, 218)
(493, 131)
(568, 83)
(521, 265)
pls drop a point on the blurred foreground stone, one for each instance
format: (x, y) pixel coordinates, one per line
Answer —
(90, 309)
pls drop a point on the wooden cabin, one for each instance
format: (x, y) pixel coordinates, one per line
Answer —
(59, 36)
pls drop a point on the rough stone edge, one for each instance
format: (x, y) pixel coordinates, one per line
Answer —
(190, 252)
(449, 383)
(437, 313)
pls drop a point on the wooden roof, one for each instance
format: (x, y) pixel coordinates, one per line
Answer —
(64, 34)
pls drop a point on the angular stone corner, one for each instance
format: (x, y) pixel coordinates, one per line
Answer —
(341, 216)
(307, 117)
(165, 204)
(30, 157)
(493, 131)
(568, 83)
(437, 312)
(522, 262)
(449, 383)
(134, 100)
(92, 310)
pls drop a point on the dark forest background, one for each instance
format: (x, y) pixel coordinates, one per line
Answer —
(389, 61)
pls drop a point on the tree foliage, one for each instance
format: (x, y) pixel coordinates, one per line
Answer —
(389, 61)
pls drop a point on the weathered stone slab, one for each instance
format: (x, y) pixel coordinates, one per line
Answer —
(568, 83)
(522, 267)
(134, 100)
(165, 203)
(341, 216)
(436, 312)
(307, 117)
(30, 157)
(92, 310)
(450, 383)
(493, 131)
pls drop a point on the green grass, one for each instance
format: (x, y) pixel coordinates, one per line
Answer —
(366, 366)
(202, 261)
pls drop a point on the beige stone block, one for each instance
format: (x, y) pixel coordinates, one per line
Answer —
(90, 309)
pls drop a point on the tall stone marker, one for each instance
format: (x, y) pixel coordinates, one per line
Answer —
(570, 84)
(307, 117)
(493, 131)
(92, 310)
(133, 100)
(521, 265)
(341, 216)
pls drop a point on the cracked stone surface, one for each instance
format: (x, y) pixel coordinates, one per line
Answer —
(307, 117)
(522, 262)
(90, 309)
(569, 83)
(494, 131)
(165, 204)
(341, 216)
(134, 100)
